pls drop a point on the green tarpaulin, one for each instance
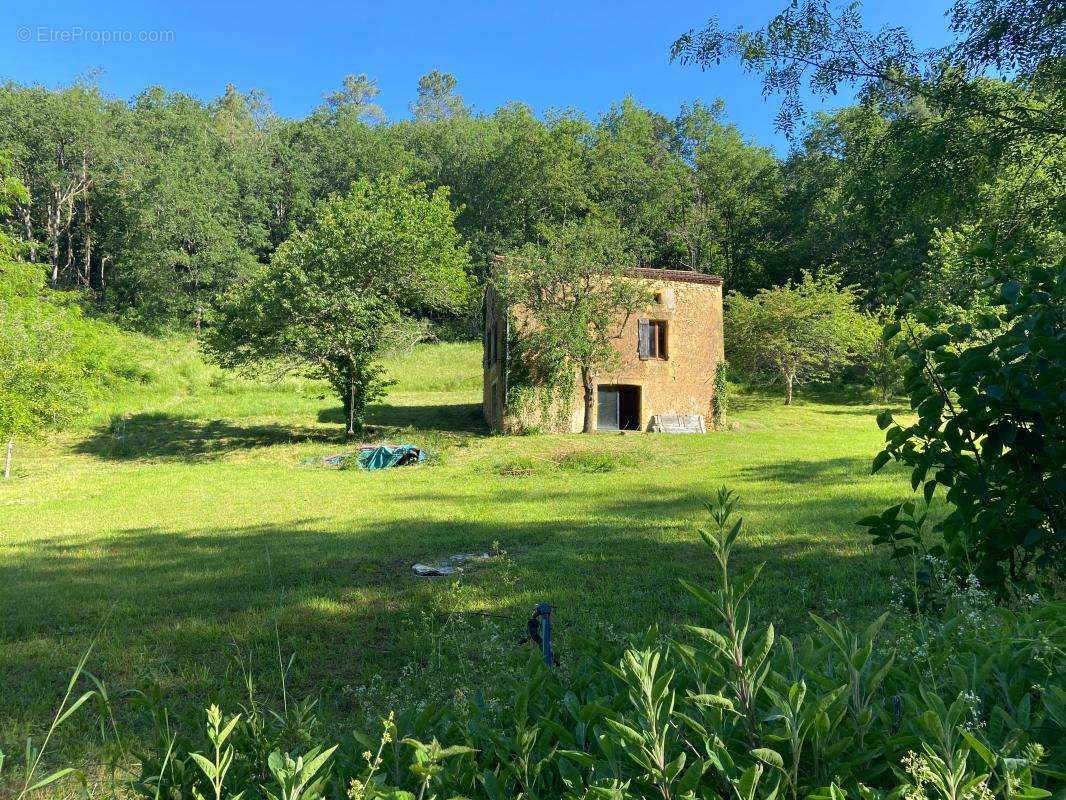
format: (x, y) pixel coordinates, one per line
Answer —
(384, 456)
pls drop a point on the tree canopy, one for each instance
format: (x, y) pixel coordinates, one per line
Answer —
(155, 206)
(795, 333)
(342, 291)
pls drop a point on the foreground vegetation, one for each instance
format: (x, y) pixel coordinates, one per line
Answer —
(181, 529)
(960, 700)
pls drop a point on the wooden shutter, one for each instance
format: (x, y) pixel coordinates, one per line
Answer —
(644, 334)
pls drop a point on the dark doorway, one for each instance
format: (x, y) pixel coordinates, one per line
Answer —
(618, 408)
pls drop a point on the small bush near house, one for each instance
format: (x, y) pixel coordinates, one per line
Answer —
(720, 398)
(520, 466)
(957, 700)
(592, 461)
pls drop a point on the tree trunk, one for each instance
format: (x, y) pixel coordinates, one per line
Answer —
(70, 270)
(53, 235)
(27, 224)
(348, 399)
(588, 389)
(7, 458)
(86, 219)
(789, 380)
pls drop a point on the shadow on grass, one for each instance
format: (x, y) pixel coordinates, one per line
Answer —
(342, 594)
(159, 436)
(851, 398)
(806, 472)
(448, 417)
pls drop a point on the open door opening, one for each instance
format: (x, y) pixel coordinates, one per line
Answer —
(618, 408)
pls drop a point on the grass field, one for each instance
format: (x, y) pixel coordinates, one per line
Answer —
(180, 527)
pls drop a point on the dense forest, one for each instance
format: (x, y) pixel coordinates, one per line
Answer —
(154, 206)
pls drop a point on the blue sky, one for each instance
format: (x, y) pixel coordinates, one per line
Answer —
(549, 55)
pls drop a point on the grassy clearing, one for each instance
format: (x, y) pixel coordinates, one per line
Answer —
(181, 514)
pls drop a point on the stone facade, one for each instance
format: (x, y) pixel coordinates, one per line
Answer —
(668, 356)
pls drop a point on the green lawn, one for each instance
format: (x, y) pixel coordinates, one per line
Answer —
(184, 529)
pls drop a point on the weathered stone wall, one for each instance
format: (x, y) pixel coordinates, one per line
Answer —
(682, 383)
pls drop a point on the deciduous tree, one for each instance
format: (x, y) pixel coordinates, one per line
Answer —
(337, 294)
(795, 333)
(574, 293)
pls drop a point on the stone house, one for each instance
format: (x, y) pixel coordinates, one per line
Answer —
(669, 353)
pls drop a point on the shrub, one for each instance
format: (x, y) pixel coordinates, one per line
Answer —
(519, 466)
(877, 357)
(53, 358)
(991, 429)
(592, 461)
(720, 398)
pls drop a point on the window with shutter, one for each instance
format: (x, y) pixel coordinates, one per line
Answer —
(651, 339)
(644, 339)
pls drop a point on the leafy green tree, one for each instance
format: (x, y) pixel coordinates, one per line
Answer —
(437, 98)
(510, 172)
(339, 149)
(796, 333)
(13, 194)
(990, 428)
(734, 189)
(355, 100)
(877, 356)
(636, 175)
(935, 145)
(572, 294)
(823, 47)
(60, 144)
(337, 294)
(180, 226)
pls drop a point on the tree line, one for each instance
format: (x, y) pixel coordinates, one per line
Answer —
(156, 206)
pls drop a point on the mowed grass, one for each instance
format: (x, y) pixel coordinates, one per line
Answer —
(180, 530)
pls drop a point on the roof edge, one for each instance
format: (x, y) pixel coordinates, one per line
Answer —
(683, 275)
(655, 273)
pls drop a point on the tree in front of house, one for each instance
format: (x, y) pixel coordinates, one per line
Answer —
(340, 293)
(576, 292)
(795, 333)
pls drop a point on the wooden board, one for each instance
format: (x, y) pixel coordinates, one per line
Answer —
(678, 423)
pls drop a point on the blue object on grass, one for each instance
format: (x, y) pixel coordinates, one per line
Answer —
(385, 456)
(544, 611)
(539, 630)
